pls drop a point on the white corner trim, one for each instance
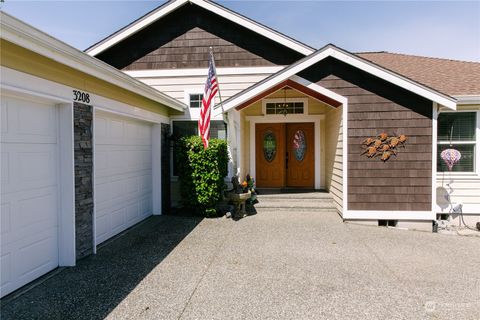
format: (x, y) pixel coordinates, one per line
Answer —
(201, 72)
(344, 158)
(66, 222)
(331, 51)
(388, 215)
(316, 119)
(210, 6)
(24, 35)
(434, 155)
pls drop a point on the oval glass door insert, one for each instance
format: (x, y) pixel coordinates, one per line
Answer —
(299, 145)
(269, 146)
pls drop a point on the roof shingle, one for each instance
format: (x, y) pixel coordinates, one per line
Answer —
(451, 77)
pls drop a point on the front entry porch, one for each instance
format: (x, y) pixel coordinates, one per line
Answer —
(291, 138)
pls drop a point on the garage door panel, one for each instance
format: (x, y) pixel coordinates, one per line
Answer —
(102, 226)
(133, 212)
(28, 214)
(28, 166)
(117, 220)
(38, 255)
(123, 176)
(29, 193)
(28, 122)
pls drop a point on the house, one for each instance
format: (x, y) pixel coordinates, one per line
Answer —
(278, 91)
(86, 136)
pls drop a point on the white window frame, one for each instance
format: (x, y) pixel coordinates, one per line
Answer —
(476, 143)
(193, 113)
(287, 100)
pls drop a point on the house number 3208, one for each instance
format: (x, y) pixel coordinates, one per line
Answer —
(81, 96)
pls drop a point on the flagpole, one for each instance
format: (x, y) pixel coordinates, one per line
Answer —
(226, 120)
(218, 83)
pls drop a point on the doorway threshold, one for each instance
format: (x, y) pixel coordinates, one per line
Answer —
(288, 190)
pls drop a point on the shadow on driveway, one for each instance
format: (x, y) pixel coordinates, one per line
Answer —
(98, 283)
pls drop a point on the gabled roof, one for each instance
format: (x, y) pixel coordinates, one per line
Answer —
(28, 37)
(215, 8)
(302, 85)
(348, 58)
(450, 77)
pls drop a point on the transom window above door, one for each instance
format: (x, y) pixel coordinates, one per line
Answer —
(284, 107)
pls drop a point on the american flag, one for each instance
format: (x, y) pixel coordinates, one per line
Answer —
(211, 89)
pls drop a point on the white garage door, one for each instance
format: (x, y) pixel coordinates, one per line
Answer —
(123, 173)
(29, 194)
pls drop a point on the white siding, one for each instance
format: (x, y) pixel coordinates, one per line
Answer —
(176, 85)
(460, 189)
(334, 156)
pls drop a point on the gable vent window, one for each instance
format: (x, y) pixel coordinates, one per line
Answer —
(458, 131)
(196, 100)
(284, 108)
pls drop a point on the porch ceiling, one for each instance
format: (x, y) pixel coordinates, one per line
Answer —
(293, 85)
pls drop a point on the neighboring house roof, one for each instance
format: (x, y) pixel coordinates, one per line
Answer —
(172, 5)
(26, 36)
(348, 58)
(451, 77)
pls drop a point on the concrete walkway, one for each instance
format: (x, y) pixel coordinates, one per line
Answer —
(274, 265)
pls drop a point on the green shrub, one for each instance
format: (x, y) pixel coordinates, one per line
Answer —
(201, 173)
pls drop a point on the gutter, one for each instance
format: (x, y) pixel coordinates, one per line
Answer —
(28, 37)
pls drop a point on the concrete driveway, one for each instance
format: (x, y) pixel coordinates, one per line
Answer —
(274, 265)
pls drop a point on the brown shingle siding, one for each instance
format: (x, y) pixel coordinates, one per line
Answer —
(402, 183)
(191, 50)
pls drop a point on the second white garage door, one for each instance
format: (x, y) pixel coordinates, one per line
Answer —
(123, 173)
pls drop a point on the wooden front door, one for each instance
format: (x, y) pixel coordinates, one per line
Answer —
(300, 155)
(270, 155)
(284, 155)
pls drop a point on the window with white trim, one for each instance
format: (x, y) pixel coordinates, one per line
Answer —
(284, 108)
(196, 100)
(458, 130)
(279, 106)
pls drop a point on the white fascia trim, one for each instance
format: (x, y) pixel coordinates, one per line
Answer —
(122, 109)
(256, 27)
(468, 99)
(388, 215)
(396, 79)
(212, 7)
(319, 89)
(275, 79)
(135, 27)
(201, 72)
(331, 51)
(24, 35)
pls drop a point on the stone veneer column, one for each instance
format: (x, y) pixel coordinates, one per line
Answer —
(83, 154)
(165, 158)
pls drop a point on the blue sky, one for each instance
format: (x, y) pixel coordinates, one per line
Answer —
(432, 28)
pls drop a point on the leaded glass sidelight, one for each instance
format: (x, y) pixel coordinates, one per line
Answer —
(269, 146)
(299, 145)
